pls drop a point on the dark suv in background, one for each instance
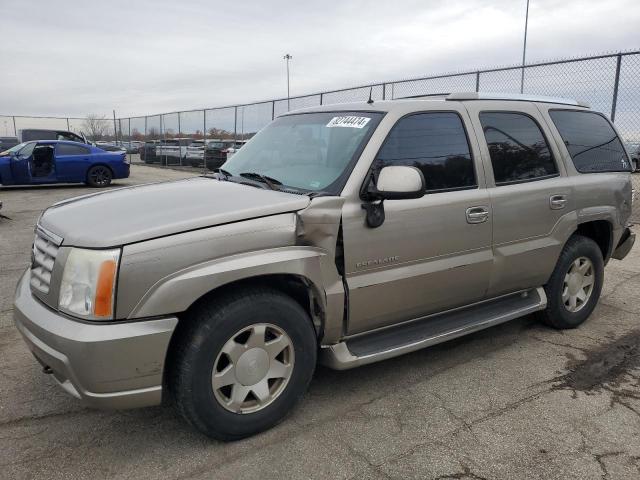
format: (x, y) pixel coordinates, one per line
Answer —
(30, 134)
(148, 151)
(215, 153)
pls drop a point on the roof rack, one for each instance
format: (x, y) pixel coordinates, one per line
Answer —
(424, 95)
(459, 96)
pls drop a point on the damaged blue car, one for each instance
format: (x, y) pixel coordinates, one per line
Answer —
(55, 161)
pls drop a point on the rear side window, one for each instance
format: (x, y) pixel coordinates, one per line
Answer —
(66, 149)
(436, 143)
(519, 152)
(591, 141)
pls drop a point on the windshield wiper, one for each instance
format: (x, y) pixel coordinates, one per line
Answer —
(272, 183)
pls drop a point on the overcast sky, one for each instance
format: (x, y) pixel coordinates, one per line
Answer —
(141, 57)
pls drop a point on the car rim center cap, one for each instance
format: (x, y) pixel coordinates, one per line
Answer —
(252, 366)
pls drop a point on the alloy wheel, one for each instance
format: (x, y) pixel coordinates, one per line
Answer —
(100, 176)
(578, 284)
(253, 368)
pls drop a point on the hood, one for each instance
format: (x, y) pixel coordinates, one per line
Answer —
(142, 212)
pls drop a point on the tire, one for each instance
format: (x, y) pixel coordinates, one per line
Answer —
(197, 355)
(565, 309)
(99, 176)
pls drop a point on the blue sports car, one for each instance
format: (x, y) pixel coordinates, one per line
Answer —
(55, 161)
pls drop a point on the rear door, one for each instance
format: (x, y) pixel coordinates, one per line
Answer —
(72, 161)
(531, 195)
(431, 253)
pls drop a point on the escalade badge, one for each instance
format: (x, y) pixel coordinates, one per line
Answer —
(377, 262)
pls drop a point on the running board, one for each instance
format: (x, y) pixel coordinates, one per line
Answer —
(431, 330)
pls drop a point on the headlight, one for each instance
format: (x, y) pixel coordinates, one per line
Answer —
(88, 283)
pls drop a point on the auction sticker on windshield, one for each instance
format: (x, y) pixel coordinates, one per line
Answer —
(350, 121)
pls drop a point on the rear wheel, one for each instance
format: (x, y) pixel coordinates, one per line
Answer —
(242, 364)
(99, 176)
(575, 285)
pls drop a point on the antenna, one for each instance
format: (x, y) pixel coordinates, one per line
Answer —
(370, 101)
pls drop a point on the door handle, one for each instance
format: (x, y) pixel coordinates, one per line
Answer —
(557, 202)
(477, 214)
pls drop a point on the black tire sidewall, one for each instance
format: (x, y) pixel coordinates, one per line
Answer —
(559, 316)
(204, 411)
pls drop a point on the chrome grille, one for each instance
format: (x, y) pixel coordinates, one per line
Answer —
(43, 259)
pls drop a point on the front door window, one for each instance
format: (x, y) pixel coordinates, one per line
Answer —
(42, 162)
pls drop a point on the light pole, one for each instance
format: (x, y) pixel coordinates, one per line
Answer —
(287, 57)
(524, 47)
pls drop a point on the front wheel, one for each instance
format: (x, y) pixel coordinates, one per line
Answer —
(575, 284)
(242, 363)
(99, 176)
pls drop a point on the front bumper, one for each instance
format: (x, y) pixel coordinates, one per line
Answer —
(624, 245)
(106, 365)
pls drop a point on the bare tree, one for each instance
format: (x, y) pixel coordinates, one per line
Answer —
(95, 127)
(153, 133)
(219, 133)
(136, 135)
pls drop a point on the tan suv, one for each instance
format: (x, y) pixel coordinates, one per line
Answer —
(346, 234)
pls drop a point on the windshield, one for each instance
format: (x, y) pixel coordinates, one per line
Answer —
(310, 151)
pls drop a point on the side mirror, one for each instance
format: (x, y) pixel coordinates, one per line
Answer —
(394, 183)
(399, 182)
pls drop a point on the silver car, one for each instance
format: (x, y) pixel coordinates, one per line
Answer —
(339, 234)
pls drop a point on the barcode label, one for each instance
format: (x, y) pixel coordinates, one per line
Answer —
(350, 122)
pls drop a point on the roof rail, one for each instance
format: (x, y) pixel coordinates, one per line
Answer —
(459, 96)
(424, 95)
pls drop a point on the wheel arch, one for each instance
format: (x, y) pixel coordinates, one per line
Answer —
(298, 287)
(295, 271)
(601, 232)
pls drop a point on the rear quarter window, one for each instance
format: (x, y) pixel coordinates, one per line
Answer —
(591, 141)
(66, 149)
(518, 149)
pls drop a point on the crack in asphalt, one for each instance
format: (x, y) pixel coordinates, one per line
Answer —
(600, 459)
(30, 418)
(466, 473)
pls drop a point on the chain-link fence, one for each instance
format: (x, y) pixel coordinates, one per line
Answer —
(610, 83)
